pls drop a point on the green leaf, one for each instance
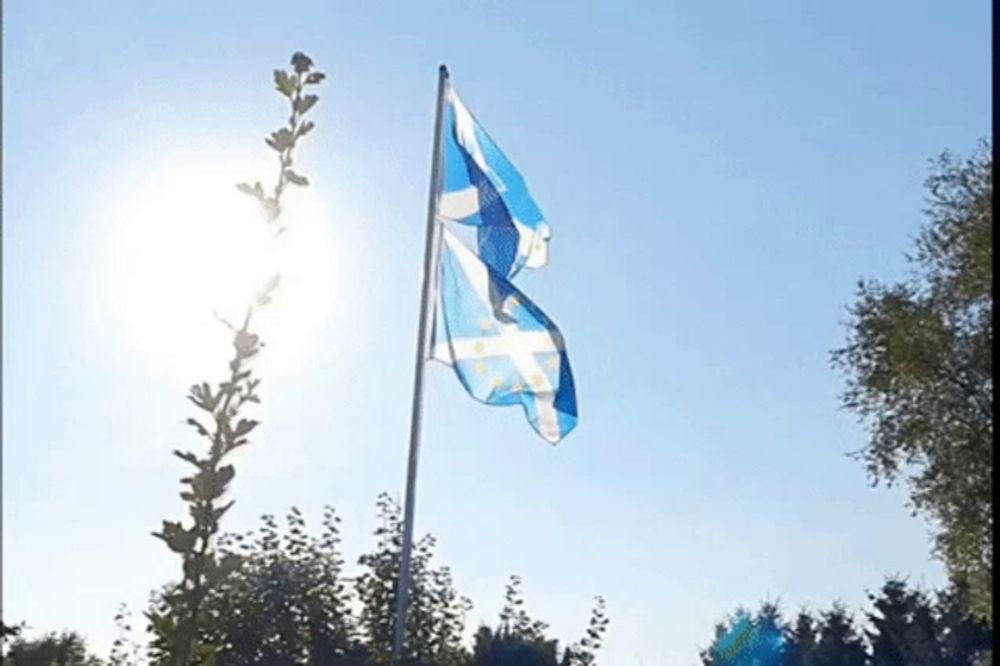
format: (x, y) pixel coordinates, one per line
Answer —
(189, 457)
(280, 139)
(284, 83)
(303, 104)
(226, 474)
(239, 442)
(256, 191)
(296, 179)
(194, 566)
(244, 427)
(271, 209)
(176, 537)
(218, 513)
(199, 427)
(315, 78)
(305, 128)
(246, 343)
(210, 484)
(263, 297)
(301, 62)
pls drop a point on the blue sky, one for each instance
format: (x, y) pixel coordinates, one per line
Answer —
(716, 182)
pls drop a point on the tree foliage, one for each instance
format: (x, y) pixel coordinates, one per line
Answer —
(291, 602)
(287, 603)
(904, 627)
(435, 620)
(181, 617)
(64, 649)
(919, 367)
(520, 640)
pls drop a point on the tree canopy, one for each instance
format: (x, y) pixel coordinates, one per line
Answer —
(919, 368)
(904, 626)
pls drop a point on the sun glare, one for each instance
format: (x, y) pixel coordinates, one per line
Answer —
(190, 250)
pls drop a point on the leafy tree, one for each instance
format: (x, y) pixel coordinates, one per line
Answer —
(178, 621)
(65, 649)
(124, 650)
(919, 367)
(503, 648)
(436, 617)
(288, 603)
(520, 640)
(584, 651)
(9, 631)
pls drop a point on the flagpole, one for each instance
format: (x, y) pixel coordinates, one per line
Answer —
(416, 414)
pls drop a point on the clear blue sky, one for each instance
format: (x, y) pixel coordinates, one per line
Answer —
(716, 182)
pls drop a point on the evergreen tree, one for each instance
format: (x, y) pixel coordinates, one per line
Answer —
(964, 639)
(904, 630)
(801, 639)
(839, 642)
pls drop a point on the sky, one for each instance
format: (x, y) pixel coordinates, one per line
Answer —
(717, 179)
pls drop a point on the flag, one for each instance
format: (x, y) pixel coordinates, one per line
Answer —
(503, 348)
(482, 188)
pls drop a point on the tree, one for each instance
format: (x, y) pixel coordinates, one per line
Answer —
(288, 603)
(65, 649)
(178, 621)
(520, 640)
(436, 617)
(964, 640)
(584, 651)
(904, 627)
(919, 368)
(745, 639)
(908, 627)
(801, 641)
(839, 642)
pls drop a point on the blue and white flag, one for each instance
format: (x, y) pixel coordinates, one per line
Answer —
(504, 349)
(482, 188)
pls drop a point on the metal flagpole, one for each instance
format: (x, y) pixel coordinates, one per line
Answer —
(429, 279)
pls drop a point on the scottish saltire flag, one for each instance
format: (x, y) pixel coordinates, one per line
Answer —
(504, 349)
(482, 188)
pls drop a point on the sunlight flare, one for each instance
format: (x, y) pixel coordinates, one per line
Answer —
(190, 250)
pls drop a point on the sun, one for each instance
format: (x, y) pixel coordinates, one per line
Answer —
(188, 251)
